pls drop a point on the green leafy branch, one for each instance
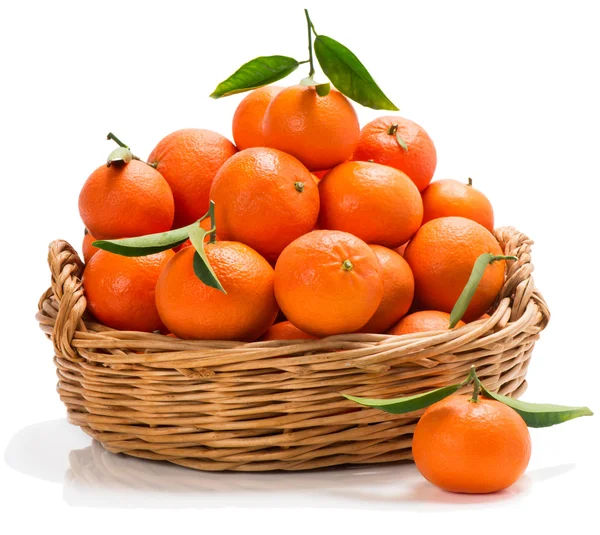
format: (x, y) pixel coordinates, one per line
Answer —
(534, 414)
(161, 241)
(339, 63)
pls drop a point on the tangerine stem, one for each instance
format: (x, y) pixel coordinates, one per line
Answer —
(470, 181)
(211, 215)
(347, 265)
(476, 388)
(133, 156)
(116, 140)
(310, 46)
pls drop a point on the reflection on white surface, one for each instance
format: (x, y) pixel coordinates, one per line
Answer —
(93, 477)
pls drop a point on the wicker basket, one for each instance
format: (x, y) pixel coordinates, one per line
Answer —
(216, 405)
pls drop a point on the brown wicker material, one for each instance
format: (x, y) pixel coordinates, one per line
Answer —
(216, 405)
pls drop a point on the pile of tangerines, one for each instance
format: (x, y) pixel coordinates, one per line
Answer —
(307, 227)
(320, 228)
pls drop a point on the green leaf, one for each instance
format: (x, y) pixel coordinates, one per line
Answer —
(464, 299)
(202, 267)
(256, 73)
(540, 414)
(145, 245)
(349, 75)
(120, 154)
(408, 403)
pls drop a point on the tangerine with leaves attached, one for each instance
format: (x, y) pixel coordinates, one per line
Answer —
(471, 445)
(192, 310)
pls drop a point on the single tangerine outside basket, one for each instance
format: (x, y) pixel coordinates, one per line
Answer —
(218, 405)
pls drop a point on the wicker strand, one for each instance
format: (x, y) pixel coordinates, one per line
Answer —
(220, 405)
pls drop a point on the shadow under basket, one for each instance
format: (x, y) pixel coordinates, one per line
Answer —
(219, 405)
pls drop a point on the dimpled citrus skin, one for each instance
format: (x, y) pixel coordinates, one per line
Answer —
(247, 124)
(285, 330)
(320, 131)
(377, 203)
(423, 321)
(462, 446)
(444, 198)
(189, 160)
(418, 162)
(314, 291)
(192, 310)
(120, 289)
(398, 290)
(259, 200)
(126, 200)
(442, 254)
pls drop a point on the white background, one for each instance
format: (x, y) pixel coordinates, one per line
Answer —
(509, 93)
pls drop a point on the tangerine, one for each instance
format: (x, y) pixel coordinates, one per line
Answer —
(469, 446)
(126, 200)
(423, 321)
(328, 282)
(189, 160)
(442, 254)
(120, 289)
(444, 198)
(285, 330)
(247, 125)
(192, 310)
(380, 142)
(398, 290)
(264, 198)
(377, 203)
(88, 249)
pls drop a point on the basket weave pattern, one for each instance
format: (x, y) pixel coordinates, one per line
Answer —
(218, 405)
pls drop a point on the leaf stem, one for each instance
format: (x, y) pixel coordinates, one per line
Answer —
(311, 29)
(211, 215)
